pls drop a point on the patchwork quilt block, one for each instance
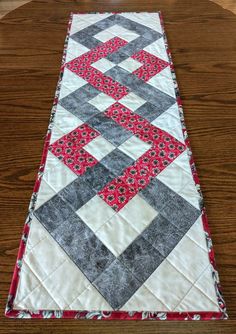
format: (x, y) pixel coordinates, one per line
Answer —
(116, 226)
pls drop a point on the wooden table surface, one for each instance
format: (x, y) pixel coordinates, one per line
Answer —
(202, 39)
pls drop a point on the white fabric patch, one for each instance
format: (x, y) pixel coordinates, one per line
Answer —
(190, 193)
(58, 177)
(117, 234)
(183, 161)
(96, 207)
(132, 101)
(74, 50)
(197, 234)
(66, 121)
(158, 49)
(134, 147)
(144, 299)
(31, 294)
(44, 194)
(90, 299)
(36, 234)
(130, 64)
(138, 212)
(204, 284)
(64, 91)
(163, 81)
(163, 278)
(40, 285)
(104, 36)
(72, 81)
(188, 304)
(99, 147)
(56, 134)
(168, 122)
(190, 259)
(102, 101)
(51, 162)
(103, 65)
(175, 177)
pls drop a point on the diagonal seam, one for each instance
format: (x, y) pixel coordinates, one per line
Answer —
(49, 187)
(213, 301)
(51, 170)
(40, 282)
(77, 297)
(194, 285)
(196, 243)
(57, 128)
(159, 299)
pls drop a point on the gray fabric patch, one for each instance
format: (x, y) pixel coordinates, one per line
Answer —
(76, 102)
(170, 205)
(52, 213)
(87, 92)
(83, 247)
(138, 28)
(156, 194)
(117, 57)
(77, 193)
(106, 23)
(149, 111)
(124, 77)
(180, 212)
(85, 36)
(141, 258)
(109, 129)
(97, 177)
(116, 161)
(117, 284)
(163, 235)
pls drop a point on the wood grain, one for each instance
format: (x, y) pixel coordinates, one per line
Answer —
(202, 38)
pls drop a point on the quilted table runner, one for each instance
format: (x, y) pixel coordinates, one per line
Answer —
(116, 226)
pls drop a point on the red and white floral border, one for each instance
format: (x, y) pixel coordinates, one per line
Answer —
(100, 315)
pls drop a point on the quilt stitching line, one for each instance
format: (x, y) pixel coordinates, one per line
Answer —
(158, 299)
(195, 242)
(40, 283)
(194, 286)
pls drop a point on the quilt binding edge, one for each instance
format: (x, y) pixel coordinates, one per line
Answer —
(112, 315)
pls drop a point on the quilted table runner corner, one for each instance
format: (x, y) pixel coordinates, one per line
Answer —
(116, 226)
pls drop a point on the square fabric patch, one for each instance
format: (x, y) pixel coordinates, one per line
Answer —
(116, 227)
